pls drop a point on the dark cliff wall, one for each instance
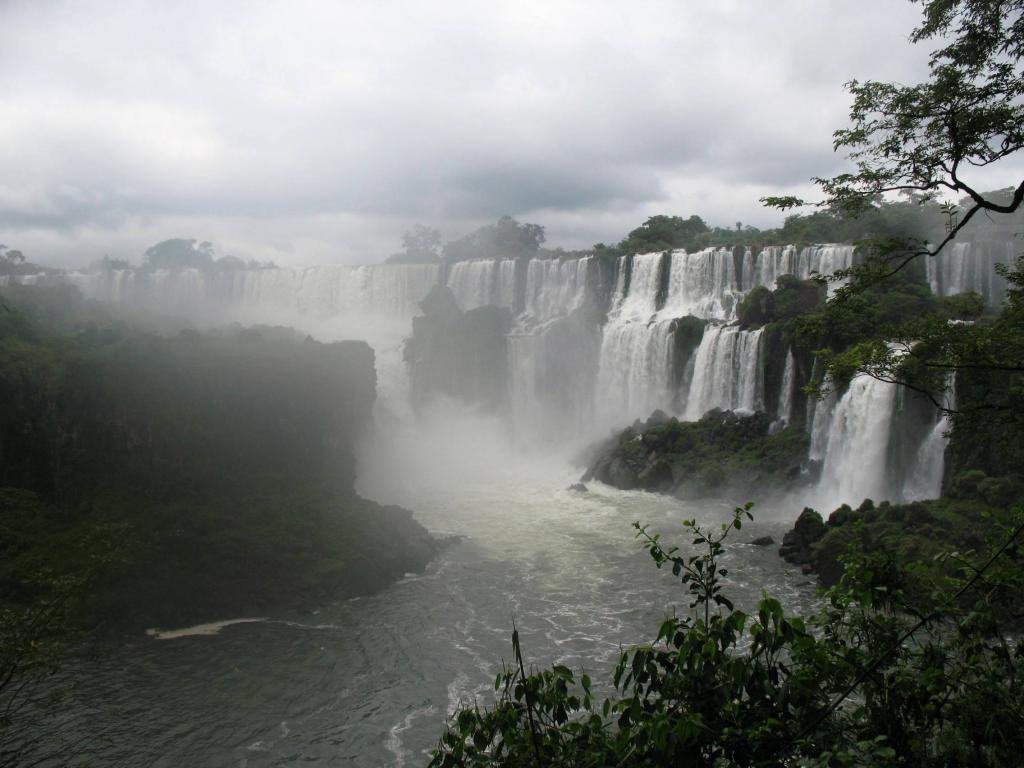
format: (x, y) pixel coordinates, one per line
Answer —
(225, 460)
(458, 354)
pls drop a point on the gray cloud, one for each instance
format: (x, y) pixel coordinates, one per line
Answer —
(319, 131)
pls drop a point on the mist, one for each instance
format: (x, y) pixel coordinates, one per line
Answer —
(353, 356)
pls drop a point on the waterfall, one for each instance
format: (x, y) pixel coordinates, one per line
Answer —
(854, 450)
(774, 261)
(925, 481)
(552, 371)
(480, 282)
(702, 284)
(970, 266)
(472, 282)
(728, 372)
(819, 420)
(635, 361)
(634, 371)
(552, 354)
(556, 287)
(567, 369)
(640, 302)
(784, 408)
(390, 290)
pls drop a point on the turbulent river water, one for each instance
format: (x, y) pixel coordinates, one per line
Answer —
(370, 681)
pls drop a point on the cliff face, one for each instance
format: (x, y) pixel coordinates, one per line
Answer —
(194, 411)
(458, 354)
(226, 458)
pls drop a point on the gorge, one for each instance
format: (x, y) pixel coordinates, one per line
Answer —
(491, 376)
(568, 349)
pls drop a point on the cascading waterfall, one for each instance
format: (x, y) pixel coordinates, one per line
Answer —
(925, 481)
(634, 370)
(774, 261)
(636, 354)
(552, 358)
(728, 372)
(556, 287)
(480, 282)
(568, 373)
(853, 445)
(702, 284)
(390, 290)
(970, 266)
(784, 408)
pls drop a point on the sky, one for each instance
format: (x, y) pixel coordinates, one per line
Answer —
(313, 132)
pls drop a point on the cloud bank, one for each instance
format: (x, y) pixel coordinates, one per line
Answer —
(318, 131)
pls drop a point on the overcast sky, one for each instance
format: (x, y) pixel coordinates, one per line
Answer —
(312, 132)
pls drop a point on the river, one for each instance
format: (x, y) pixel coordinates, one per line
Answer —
(369, 681)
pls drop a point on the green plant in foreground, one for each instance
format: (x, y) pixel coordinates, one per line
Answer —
(871, 681)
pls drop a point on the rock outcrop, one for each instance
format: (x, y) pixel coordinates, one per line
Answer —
(722, 454)
(798, 544)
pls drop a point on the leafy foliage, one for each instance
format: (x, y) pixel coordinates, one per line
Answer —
(664, 233)
(872, 680)
(722, 452)
(924, 141)
(420, 245)
(506, 238)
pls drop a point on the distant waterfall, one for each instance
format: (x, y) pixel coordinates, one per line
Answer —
(728, 372)
(970, 266)
(774, 261)
(552, 356)
(556, 287)
(702, 284)
(480, 282)
(552, 373)
(592, 345)
(784, 408)
(392, 290)
(925, 481)
(853, 443)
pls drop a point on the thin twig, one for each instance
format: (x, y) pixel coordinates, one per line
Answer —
(526, 690)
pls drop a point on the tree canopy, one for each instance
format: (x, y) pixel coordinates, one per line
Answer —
(420, 245)
(930, 138)
(664, 233)
(506, 238)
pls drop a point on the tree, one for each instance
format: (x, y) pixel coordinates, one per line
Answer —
(506, 239)
(663, 233)
(926, 139)
(107, 264)
(10, 257)
(178, 254)
(420, 245)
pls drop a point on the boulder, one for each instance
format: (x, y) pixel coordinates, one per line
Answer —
(797, 544)
(620, 474)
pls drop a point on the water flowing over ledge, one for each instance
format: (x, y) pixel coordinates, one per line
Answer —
(594, 345)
